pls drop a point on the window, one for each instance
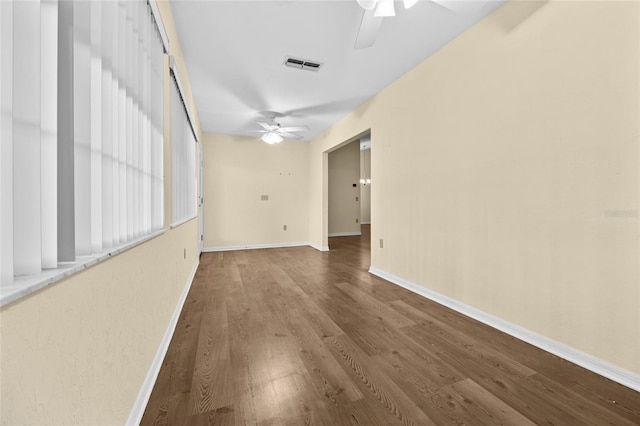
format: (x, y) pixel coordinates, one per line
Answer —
(81, 96)
(183, 146)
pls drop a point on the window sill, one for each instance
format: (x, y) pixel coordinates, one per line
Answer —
(183, 221)
(25, 285)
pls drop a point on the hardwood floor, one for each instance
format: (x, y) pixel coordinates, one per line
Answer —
(300, 337)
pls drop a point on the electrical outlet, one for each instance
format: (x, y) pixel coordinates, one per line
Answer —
(264, 197)
(381, 243)
(284, 228)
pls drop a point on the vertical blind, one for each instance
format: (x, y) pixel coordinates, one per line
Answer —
(81, 96)
(6, 147)
(183, 149)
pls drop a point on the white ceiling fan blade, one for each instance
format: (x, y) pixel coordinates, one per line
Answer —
(367, 4)
(294, 129)
(258, 131)
(462, 6)
(385, 8)
(409, 3)
(290, 135)
(266, 126)
(369, 28)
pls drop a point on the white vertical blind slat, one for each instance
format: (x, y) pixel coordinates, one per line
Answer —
(107, 123)
(122, 118)
(136, 142)
(147, 34)
(146, 167)
(6, 147)
(49, 132)
(175, 136)
(129, 120)
(82, 121)
(191, 175)
(2, 177)
(157, 120)
(114, 13)
(26, 138)
(96, 125)
(140, 16)
(66, 210)
(183, 170)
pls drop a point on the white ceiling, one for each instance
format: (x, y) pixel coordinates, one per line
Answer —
(235, 50)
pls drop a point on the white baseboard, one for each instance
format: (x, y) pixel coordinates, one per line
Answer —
(365, 223)
(253, 246)
(344, 234)
(135, 416)
(319, 247)
(598, 366)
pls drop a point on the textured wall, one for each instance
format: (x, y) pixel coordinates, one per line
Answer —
(237, 172)
(505, 171)
(78, 352)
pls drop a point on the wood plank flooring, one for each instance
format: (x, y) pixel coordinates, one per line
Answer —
(294, 336)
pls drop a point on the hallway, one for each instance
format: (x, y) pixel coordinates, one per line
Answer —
(297, 336)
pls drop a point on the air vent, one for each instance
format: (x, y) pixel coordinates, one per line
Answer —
(302, 64)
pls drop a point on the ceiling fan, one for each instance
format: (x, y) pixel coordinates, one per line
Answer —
(376, 10)
(273, 133)
(384, 7)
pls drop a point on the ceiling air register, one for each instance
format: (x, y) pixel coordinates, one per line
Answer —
(302, 64)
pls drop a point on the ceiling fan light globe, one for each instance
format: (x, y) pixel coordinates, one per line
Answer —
(409, 3)
(385, 8)
(271, 138)
(367, 4)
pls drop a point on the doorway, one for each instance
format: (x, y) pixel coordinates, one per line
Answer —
(349, 195)
(344, 191)
(365, 180)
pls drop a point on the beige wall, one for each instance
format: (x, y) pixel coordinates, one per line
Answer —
(365, 190)
(78, 351)
(237, 171)
(344, 171)
(502, 169)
